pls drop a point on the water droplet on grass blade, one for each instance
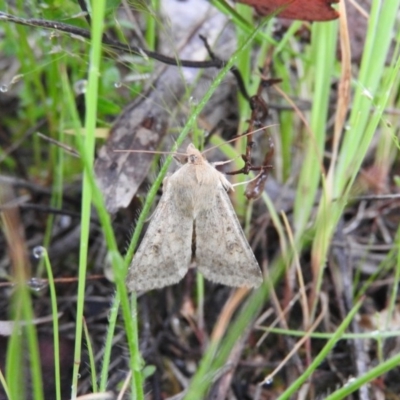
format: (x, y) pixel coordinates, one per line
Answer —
(268, 381)
(38, 252)
(80, 86)
(37, 284)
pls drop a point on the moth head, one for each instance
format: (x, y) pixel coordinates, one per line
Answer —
(194, 156)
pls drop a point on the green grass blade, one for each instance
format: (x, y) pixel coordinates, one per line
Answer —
(324, 37)
(54, 313)
(92, 361)
(321, 356)
(90, 125)
(373, 373)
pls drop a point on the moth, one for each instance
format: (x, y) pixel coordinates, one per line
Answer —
(194, 221)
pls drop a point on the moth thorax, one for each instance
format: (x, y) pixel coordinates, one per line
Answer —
(193, 159)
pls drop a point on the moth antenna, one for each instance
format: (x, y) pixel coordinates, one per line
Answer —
(246, 182)
(218, 163)
(150, 152)
(238, 137)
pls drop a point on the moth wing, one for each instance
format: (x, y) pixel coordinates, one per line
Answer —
(165, 252)
(225, 257)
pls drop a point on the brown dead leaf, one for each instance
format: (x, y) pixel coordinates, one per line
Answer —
(306, 10)
(141, 126)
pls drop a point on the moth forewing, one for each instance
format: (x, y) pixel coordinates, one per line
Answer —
(194, 197)
(164, 254)
(223, 254)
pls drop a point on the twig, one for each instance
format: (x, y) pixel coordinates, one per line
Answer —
(115, 44)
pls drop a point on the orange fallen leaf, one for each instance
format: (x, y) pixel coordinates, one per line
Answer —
(306, 10)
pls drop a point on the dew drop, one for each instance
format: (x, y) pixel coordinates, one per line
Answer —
(349, 381)
(38, 252)
(37, 284)
(268, 381)
(65, 221)
(80, 86)
(4, 88)
(117, 85)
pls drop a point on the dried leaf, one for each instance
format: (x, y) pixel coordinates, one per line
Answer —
(255, 188)
(306, 10)
(119, 175)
